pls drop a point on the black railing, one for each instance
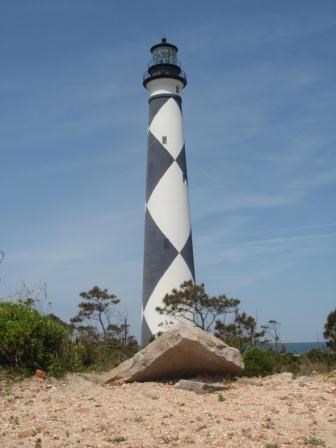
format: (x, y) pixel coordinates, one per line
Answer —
(162, 72)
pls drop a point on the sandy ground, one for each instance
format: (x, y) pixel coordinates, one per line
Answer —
(253, 413)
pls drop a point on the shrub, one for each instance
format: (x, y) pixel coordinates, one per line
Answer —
(102, 354)
(330, 330)
(29, 340)
(258, 362)
(317, 360)
(286, 362)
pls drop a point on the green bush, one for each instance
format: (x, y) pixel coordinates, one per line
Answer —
(318, 356)
(29, 340)
(261, 363)
(320, 361)
(258, 362)
(102, 354)
(285, 362)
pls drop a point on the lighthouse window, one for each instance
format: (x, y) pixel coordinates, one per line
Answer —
(164, 139)
(177, 89)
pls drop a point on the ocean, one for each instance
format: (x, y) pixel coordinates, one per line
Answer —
(301, 347)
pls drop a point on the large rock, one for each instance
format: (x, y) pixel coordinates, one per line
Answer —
(182, 352)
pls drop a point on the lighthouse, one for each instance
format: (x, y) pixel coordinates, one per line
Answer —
(168, 250)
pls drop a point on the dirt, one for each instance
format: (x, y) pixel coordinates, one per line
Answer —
(78, 411)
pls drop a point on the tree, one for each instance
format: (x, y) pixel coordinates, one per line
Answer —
(272, 331)
(96, 307)
(193, 304)
(121, 331)
(241, 333)
(35, 297)
(330, 330)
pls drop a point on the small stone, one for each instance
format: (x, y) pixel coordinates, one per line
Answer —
(40, 374)
(303, 380)
(83, 411)
(199, 387)
(27, 433)
(248, 382)
(284, 376)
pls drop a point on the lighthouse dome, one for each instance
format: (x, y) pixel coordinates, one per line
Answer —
(164, 63)
(164, 53)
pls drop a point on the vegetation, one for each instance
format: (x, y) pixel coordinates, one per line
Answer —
(98, 338)
(193, 304)
(96, 306)
(317, 361)
(262, 350)
(313, 441)
(258, 362)
(271, 333)
(102, 343)
(30, 340)
(240, 333)
(217, 314)
(330, 330)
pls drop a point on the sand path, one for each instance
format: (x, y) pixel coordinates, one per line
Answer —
(254, 413)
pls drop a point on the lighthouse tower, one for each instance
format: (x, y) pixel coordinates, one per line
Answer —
(168, 254)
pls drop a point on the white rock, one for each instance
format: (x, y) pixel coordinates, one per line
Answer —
(284, 376)
(182, 352)
(303, 380)
(200, 387)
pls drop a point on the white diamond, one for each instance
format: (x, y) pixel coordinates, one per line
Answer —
(168, 123)
(177, 273)
(169, 206)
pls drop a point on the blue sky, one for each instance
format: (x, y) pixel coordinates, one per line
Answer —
(259, 116)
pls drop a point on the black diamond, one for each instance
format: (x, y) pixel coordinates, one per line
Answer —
(178, 100)
(158, 161)
(145, 331)
(155, 105)
(159, 254)
(182, 163)
(187, 254)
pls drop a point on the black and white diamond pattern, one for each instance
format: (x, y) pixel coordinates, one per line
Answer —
(168, 258)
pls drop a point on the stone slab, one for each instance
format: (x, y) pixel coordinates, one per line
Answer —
(184, 351)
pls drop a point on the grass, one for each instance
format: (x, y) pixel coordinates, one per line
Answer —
(14, 420)
(268, 424)
(8, 377)
(221, 397)
(119, 439)
(312, 440)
